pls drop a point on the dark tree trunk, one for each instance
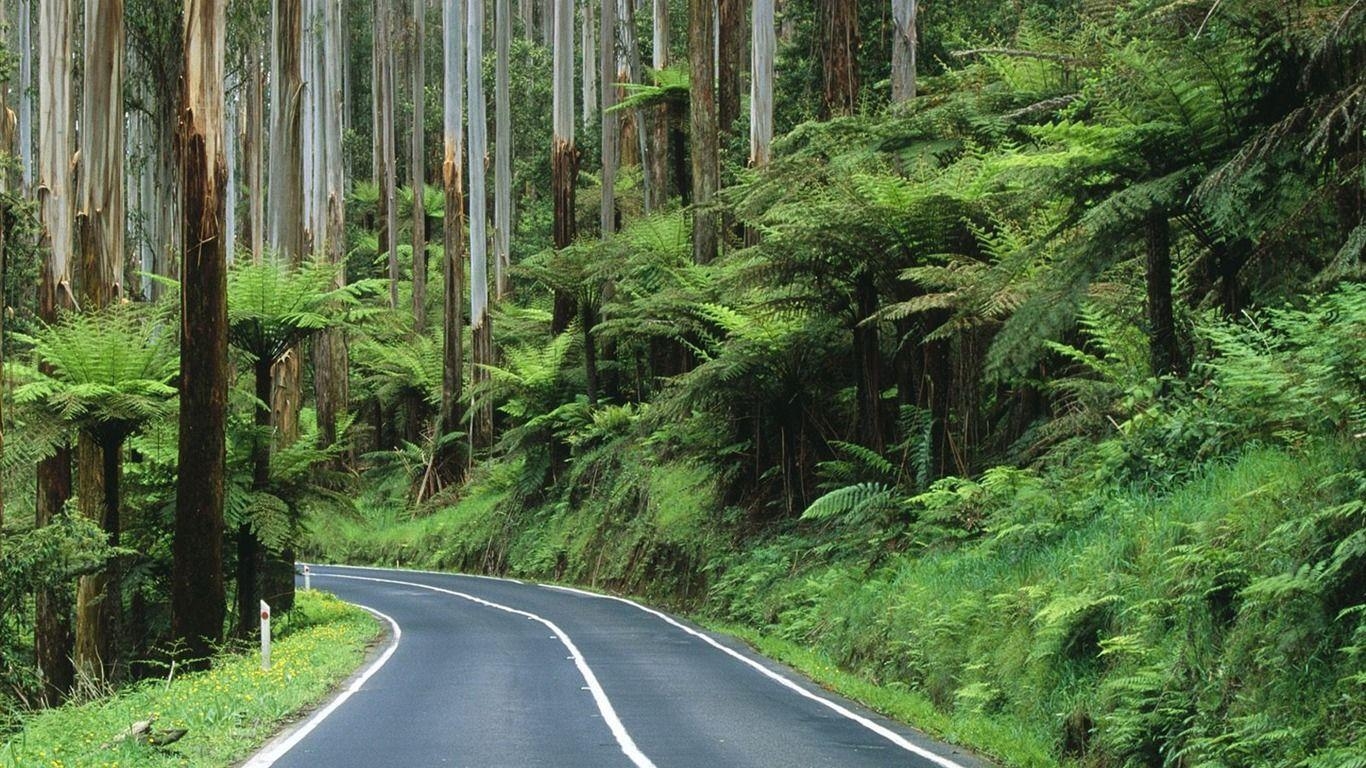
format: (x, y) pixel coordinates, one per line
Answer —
(587, 317)
(564, 161)
(197, 578)
(53, 643)
(1164, 347)
(838, 47)
(732, 34)
(868, 351)
(248, 547)
(933, 395)
(706, 169)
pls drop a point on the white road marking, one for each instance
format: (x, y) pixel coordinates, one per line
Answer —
(427, 573)
(609, 714)
(276, 750)
(880, 730)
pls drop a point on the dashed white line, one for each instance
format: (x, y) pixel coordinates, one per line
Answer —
(277, 749)
(609, 714)
(838, 709)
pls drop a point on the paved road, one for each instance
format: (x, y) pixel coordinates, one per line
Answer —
(489, 673)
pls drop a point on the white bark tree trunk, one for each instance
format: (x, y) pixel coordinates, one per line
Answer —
(55, 140)
(611, 126)
(453, 264)
(502, 163)
(480, 323)
(417, 175)
(25, 89)
(286, 182)
(588, 46)
(904, 43)
(765, 45)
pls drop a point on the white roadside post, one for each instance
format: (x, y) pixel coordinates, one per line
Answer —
(265, 636)
(308, 584)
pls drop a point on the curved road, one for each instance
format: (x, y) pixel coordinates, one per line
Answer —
(492, 673)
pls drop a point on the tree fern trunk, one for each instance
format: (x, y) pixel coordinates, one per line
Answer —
(1164, 347)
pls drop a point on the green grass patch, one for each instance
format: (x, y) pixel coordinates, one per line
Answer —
(228, 710)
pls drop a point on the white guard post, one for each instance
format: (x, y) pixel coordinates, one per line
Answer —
(265, 636)
(307, 581)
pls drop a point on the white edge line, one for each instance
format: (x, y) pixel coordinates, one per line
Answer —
(609, 714)
(272, 752)
(414, 570)
(880, 730)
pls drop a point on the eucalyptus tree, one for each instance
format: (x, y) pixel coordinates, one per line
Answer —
(657, 162)
(564, 158)
(502, 161)
(53, 643)
(452, 261)
(330, 355)
(286, 157)
(416, 168)
(706, 167)
(588, 48)
(197, 573)
(763, 49)
(730, 50)
(481, 324)
(25, 153)
(838, 45)
(100, 227)
(384, 157)
(253, 146)
(905, 41)
(610, 121)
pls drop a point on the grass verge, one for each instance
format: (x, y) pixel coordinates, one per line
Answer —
(228, 710)
(992, 737)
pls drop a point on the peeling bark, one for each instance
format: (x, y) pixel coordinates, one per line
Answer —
(450, 467)
(417, 172)
(481, 324)
(197, 581)
(564, 158)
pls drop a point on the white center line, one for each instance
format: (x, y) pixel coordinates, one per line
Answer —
(609, 714)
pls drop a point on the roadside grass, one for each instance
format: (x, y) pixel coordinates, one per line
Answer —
(989, 736)
(228, 710)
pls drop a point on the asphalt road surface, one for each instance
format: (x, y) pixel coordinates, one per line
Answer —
(491, 673)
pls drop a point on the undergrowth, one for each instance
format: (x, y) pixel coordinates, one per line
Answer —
(227, 711)
(1187, 591)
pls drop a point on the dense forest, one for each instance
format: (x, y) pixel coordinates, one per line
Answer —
(1008, 354)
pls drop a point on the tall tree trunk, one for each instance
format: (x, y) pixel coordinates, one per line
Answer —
(765, 46)
(453, 263)
(481, 325)
(610, 123)
(502, 163)
(1164, 347)
(231, 151)
(286, 161)
(252, 144)
(657, 161)
(100, 225)
(549, 9)
(564, 157)
(839, 45)
(25, 152)
(635, 143)
(730, 53)
(905, 40)
(197, 578)
(53, 641)
(588, 48)
(706, 170)
(330, 384)
(290, 208)
(417, 174)
(385, 172)
(526, 14)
